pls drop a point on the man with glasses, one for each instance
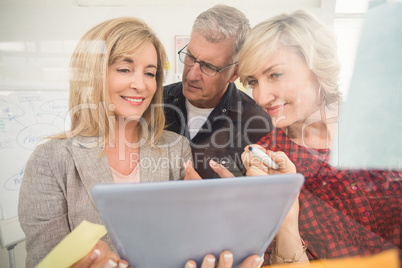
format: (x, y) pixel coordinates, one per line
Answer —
(206, 106)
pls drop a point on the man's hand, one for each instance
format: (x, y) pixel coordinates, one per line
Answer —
(220, 170)
(191, 174)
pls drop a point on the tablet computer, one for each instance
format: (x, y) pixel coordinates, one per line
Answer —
(164, 224)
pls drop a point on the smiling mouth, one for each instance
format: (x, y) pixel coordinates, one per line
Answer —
(136, 100)
(275, 109)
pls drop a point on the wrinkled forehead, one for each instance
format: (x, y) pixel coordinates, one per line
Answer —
(216, 53)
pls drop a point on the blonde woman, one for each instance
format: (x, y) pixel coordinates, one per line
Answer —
(291, 63)
(116, 135)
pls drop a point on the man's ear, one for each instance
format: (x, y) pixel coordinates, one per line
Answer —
(235, 74)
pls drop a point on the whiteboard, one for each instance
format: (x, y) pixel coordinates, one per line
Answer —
(25, 118)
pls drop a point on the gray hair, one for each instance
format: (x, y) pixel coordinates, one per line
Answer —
(221, 23)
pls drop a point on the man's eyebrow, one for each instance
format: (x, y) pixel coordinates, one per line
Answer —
(204, 62)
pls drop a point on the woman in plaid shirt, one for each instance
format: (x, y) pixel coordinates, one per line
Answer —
(291, 63)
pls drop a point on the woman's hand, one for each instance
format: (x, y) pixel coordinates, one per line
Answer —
(287, 239)
(190, 173)
(101, 257)
(253, 164)
(291, 221)
(226, 261)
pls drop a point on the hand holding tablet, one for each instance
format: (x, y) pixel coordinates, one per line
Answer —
(225, 260)
(172, 222)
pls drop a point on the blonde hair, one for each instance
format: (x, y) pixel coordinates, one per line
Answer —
(100, 47)
(312, 39)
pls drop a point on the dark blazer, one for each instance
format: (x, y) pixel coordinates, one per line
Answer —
(236, 122)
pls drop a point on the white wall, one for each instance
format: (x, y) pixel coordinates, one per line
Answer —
(37, 37)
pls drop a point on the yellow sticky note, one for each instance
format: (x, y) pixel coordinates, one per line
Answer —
(167, 66)
(387, 259)
(74, 246)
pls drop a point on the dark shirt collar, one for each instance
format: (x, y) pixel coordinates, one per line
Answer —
(229, 101)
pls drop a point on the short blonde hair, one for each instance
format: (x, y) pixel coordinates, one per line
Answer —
(100, 47)
(312, 39)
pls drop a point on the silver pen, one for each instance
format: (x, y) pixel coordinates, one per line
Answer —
(263, 157)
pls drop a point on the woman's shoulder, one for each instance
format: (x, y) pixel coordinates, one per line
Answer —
(49, 153)
(169, 137)
(56, 146)
(50, 145)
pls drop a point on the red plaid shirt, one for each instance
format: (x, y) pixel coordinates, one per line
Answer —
(343, 212)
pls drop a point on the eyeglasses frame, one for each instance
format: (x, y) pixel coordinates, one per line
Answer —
(203, 63)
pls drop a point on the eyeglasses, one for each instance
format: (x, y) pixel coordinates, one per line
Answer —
(205, 67)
